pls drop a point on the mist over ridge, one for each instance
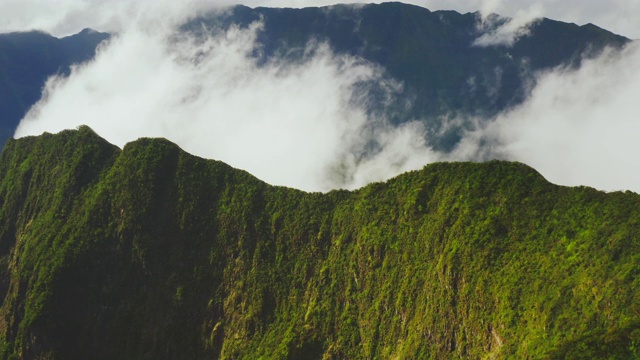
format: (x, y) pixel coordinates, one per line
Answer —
(321, 114)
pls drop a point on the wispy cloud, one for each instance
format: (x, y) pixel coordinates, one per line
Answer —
(64, 17)
(500, 31)
(579, 127)
(307, 123)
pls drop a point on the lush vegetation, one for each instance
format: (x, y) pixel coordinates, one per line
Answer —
(149, 252)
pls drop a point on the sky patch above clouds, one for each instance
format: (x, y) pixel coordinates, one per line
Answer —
(303, 124)
(65, 17)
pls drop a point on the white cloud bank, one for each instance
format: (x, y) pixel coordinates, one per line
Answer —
(579, 127)
(306, 125)
(301, 124)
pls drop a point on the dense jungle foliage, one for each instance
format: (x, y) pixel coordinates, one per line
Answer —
(151, 253)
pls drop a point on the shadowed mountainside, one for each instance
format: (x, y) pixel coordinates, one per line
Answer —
(432, 54)
(148, 252)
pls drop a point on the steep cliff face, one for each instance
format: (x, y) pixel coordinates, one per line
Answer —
(148, 252)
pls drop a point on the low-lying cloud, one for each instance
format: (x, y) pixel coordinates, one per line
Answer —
(303, 123)
(307, 123)
(579, 127)
(499, 31)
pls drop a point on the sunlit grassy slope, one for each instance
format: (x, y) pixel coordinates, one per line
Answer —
(151, 253)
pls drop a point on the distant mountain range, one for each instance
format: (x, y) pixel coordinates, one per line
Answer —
(26, 61)
(431, 53)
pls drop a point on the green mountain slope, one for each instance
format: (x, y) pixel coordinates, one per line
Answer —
(151, 253)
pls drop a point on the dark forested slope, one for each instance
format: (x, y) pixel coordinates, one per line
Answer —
(151, 253)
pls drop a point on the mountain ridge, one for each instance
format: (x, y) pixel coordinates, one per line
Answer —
(431, 53)
(148, 252)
